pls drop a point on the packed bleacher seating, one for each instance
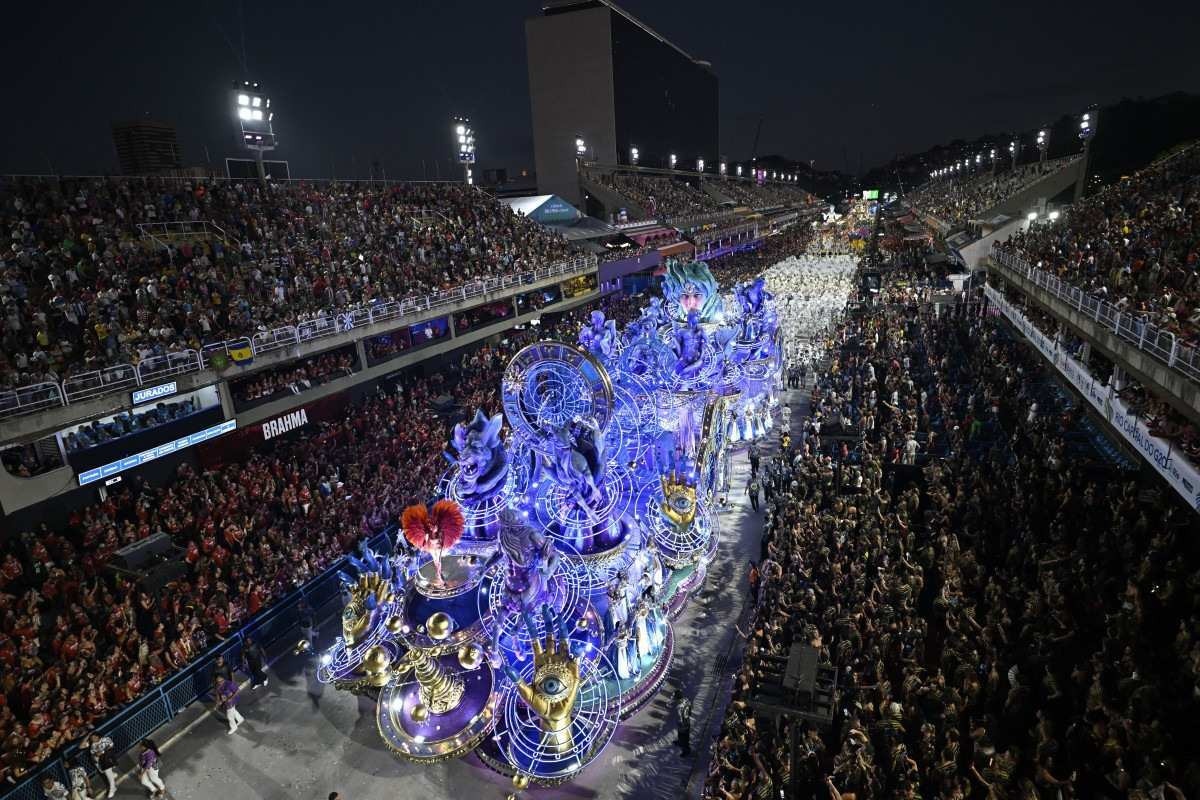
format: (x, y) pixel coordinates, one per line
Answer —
(1135, 244)
(662, 196)
(77, 644)
(81, 288)
(767, 195)
(293, 377)
(955, 201)
(1044, 652)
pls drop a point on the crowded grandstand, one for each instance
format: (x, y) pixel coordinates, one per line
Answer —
(889, 493)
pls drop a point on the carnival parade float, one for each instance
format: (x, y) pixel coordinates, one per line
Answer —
(529, 610)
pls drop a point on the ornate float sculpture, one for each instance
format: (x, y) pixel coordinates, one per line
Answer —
(529, 609)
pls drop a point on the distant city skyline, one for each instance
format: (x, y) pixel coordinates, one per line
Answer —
(843, 87)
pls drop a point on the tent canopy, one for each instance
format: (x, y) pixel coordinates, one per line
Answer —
(547, 209)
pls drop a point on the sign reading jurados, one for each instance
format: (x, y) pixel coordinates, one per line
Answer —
(281, 425)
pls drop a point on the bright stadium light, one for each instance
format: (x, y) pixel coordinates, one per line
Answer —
(1031, 216)
(254, 122)
(464, 140)
(739, 170)
(722, 168)
(673, 160)
(633, 155)
(1087, 124)
(580, 147)
(1053, 216)
(699, 165)
(1043, 143)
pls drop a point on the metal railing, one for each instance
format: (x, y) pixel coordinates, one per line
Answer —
(121, 377)
(161, 704)
(1134, 329)
(163, 233)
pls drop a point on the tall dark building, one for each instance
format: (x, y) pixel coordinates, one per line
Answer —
(598, 73)
(145, 146)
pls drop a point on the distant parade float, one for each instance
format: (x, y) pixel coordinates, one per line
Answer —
(528, 611)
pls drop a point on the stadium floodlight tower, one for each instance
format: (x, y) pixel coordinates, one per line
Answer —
(993, 157)
(464, 138)
(633, 155)
(1043, 144)
(255, 119)
(1014, 150)
(673, 160)
(699, 165)
(739, 170)
(1087, 130)
(722, 168)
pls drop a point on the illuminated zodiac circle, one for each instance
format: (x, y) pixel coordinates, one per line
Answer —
(548, 384)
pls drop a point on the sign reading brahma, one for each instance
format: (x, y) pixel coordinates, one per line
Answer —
(288, 422)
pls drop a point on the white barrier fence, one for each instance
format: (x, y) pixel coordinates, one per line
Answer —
(1132, 328)
(1174, 467)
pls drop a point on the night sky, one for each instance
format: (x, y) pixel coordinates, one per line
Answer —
(356, 82)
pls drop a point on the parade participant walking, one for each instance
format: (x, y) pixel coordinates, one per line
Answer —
(683, 713)
(752, 489)
(100, 748)
(256, 660)
(226, 693)
(149, 764)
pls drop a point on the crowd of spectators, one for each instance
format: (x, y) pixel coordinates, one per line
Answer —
(1161, 419)
(1048, 651)
(742, 265)
(957, 200)
(1135, 243)
(661, 196)
(293, 377)
(81, 288)
(77, 642)
(768, 195)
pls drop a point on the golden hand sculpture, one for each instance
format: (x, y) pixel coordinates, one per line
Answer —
(371, 592)
(679, 500)
(555, 681)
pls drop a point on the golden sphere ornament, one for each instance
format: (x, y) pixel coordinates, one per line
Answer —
(395, 625)
(520, 780)
(420, 712)
(470, 656)
(439, 625)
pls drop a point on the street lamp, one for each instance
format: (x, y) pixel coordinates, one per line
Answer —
(633, 155)
(255, 117)
(464, 138)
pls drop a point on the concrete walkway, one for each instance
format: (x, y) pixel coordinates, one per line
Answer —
(303, 740)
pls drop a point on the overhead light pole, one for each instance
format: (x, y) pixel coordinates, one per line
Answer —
(464, 139)
(1087, 131)
(255, 120)
(1043, 144)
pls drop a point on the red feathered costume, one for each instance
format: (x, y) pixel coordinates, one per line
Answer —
(433, 530)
